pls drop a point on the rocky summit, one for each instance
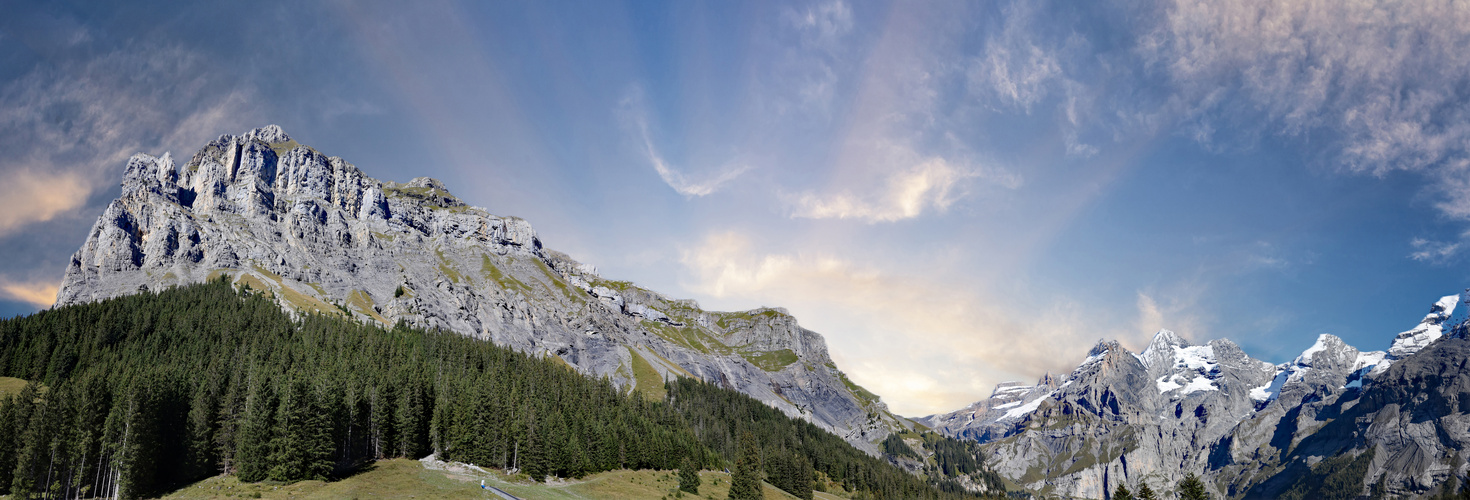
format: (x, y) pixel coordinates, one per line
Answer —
(313, 231)
(1368, 423)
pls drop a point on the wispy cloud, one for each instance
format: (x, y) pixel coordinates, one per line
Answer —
(632, 108)
(930, 184)
(27, 197)
(67, 127)
(677, 180)
(1433, 252)
(37, 293)
(1013, 67)
(812, 67)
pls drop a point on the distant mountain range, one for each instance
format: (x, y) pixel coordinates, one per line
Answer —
(313, 230)
(1376, 423)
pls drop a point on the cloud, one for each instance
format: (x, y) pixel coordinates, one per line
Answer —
(1013, 67)
(38, 293)
(27, 197)
(925, 346)
(632, 110)
(931, 184)
(1388, 77)
(1368, 87)
(1178, 313)
(677, 180)
(68, 125)
(1434, 252)
(812, 66)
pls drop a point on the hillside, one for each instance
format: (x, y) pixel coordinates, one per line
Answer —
(153, 391)
(404, 478)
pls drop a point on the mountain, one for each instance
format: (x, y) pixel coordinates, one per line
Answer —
(1251, 429)
(320, 236)
(144, 394)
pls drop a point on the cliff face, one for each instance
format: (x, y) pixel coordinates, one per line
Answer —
(1249, 428)
(321, 236)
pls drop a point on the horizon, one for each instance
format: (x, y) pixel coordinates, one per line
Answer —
(953, 195)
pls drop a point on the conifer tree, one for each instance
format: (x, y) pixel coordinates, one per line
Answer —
(1191, 488)
(533, 456)
(1122, 493)
(1146, 493)
(254, 436)
(745, 483)
(689, 477)
(8, 442)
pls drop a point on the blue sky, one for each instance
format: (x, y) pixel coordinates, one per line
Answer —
(954, 194)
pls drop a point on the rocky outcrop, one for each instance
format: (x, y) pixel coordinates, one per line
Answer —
(312, 230)
(1250, 428)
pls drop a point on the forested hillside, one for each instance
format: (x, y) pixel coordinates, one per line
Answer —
(135, 395)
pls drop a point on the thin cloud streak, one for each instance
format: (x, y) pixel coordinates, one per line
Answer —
(37, 293)
(631, 110)
(28, 197)
(677, 180)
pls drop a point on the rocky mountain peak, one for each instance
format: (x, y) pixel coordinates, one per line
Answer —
(269, 134)
(317, 234)
(1160, 350)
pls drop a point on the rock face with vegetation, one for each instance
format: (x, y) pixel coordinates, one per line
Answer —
(1335, 422)
(318, 235)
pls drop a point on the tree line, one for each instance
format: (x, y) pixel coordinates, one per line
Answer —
(141, 394)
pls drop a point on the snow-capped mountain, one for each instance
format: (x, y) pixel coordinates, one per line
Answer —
(1176, 408)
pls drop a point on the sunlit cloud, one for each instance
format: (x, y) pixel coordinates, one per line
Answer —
(37, 293)
(27, 197)
(933, 185)
(925, 346)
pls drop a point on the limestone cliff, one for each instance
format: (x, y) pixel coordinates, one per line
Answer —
(322, 237)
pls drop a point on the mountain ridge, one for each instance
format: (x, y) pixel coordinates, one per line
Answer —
(1239, 422)
(322, 236)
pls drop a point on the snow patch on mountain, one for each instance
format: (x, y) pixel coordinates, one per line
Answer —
(1430, 329)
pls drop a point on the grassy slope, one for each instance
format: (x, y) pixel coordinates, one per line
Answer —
(403, 478)
(11, 385)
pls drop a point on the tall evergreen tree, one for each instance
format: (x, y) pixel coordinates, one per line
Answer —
(1122, 493)
(533, 459)
(254, 437)
(1191, 488)
(1146, 493)
(689, 476)
(745, 483)
(9, 441)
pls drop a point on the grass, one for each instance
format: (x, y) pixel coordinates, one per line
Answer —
(673, 365)
(576, 296)
(10, 386)
(689, 336)
(364, 303)
(771, 361)
(857, 390)
(298, 301)
(447, 267)
(281, 148)
(430, 198)
(404, 478)
(493, 273)
(728, 319)
(650, 383)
